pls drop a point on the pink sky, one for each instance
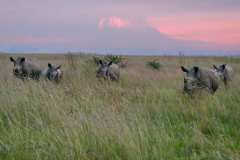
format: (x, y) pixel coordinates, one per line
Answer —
(218, 29)
(113, 22)
(59, 25)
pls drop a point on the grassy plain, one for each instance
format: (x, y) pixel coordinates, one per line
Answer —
(145, 116)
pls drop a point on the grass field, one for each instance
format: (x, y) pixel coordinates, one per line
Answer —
(145, 116)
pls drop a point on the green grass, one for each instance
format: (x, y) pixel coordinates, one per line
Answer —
(145, 116)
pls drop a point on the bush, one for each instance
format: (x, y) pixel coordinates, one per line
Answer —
(154, 64)
(96, 60)
(114, 58)
(109, 58)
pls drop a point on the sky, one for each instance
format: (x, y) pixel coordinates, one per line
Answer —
(121, 27)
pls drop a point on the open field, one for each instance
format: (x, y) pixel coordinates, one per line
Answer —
(144, 116)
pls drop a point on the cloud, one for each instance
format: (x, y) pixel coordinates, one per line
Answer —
(218, 30)
(94, 24)
(114, 22)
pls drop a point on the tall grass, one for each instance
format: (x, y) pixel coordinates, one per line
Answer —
(144, 116)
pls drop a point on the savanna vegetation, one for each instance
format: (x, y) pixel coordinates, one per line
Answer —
(144, 116)
(154, 64)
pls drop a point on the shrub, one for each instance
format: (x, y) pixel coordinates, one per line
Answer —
(154, 64)
(114, 58)
(96, 60)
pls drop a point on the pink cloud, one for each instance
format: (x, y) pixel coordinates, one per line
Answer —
(114, 22)
(213, 30)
